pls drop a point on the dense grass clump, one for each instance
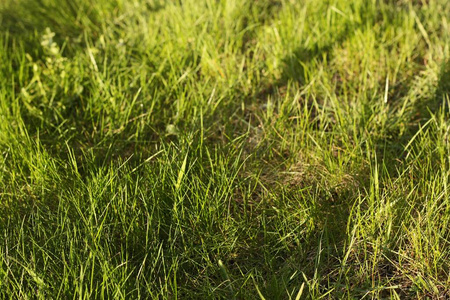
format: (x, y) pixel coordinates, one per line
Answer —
(201, 149)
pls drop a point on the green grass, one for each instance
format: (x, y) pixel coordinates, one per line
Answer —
(210, 149)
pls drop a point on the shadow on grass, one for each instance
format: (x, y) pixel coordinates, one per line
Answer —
(334, 208)
(442, 91)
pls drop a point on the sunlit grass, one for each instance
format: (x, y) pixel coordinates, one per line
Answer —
(224, 149)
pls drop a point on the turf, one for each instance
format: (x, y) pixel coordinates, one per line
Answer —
(205, 149)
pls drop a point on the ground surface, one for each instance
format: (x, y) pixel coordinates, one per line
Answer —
(224, 149)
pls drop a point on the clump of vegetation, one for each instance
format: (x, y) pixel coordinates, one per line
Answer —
(224, 149)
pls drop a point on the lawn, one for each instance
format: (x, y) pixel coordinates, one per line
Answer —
(224, 149)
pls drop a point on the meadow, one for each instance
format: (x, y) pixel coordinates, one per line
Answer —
(224, 149)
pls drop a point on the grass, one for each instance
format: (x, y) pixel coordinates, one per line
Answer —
(271, 149)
